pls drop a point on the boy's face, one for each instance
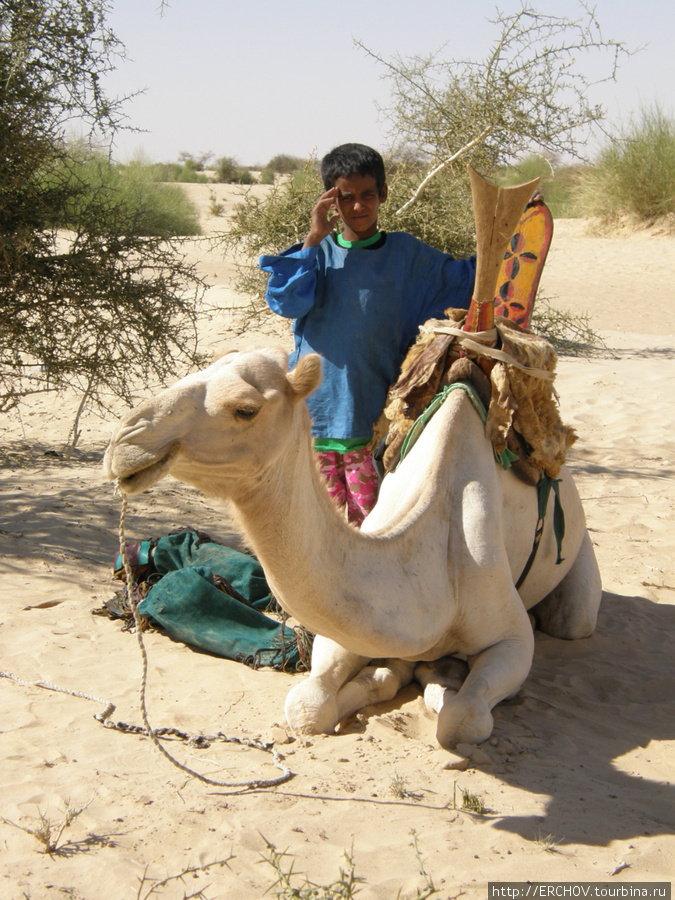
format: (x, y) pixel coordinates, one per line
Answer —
(358, 202)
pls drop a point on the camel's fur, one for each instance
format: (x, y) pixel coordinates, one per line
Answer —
(430, 574)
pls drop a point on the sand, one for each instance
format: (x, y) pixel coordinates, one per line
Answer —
(577, 779)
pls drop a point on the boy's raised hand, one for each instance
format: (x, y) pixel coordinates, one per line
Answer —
(324, 218)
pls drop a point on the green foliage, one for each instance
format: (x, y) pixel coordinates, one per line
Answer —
(557, 183)
(470, 802)
(196, 164)
(103, 304)
(181, 172)
(144, 206)
(267, 176)
(188, 169)
(635, 174)
(442, 218)
(270, 224)
(228, 171)
(284, 164)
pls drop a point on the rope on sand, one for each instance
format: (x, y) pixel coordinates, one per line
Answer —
(252, 784)
(201, 741)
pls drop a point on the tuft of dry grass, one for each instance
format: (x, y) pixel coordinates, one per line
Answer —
(289, 886)
(48, 833)
(147, 888)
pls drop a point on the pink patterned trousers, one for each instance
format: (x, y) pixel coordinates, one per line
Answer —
(351, 480)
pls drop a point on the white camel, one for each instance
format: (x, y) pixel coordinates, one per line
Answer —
(431, 573)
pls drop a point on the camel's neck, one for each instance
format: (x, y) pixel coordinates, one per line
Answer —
(306, 548)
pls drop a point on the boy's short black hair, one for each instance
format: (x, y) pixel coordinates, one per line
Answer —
(352, 159)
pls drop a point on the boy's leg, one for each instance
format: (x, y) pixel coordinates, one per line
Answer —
(332, 468)
(362, 484)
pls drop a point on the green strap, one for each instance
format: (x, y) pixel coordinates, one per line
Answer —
(505, 458)
(544, 487)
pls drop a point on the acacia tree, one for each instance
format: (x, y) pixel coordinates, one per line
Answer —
(531, 93)
(86, 300)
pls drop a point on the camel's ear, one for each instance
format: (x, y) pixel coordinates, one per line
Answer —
(306, 376)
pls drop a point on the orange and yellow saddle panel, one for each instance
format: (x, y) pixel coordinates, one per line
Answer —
(523, 264)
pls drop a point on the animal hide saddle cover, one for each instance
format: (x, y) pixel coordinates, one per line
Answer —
(522, 409)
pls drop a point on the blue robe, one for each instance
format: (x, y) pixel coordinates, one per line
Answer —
(360, 309)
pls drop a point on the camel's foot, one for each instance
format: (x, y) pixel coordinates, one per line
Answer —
(447, 672)
(463, 720)
(571, 609)
(310, 709)
(314, 706)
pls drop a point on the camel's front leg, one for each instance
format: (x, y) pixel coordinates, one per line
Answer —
(312, 705)
(339, 684)
(494, 674)
(374, 684)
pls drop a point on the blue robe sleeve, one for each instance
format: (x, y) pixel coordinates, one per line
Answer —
(441, 282)
(291, 289)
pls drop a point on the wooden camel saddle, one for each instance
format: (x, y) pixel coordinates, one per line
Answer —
(511, 369)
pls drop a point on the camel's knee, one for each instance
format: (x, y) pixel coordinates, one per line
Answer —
(571, 609)
(440, 679)
(464, 719)
(310, 709)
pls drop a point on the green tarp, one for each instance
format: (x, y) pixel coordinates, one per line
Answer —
(211, 597)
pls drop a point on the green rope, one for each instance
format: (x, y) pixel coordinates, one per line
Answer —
(505, 459)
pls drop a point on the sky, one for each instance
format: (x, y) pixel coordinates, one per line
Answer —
(254, 79)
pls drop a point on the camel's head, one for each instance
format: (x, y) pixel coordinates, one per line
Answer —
(214, 427)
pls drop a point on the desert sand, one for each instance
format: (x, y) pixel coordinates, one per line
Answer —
(577, 779)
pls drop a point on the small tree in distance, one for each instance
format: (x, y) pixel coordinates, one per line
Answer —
(227, 170)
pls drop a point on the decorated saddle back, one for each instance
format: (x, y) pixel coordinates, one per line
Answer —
(515, 381)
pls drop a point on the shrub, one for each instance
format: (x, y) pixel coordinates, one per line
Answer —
(146, 206)
(181, 172)
(270, 224)
(635, 174)
(284, 164)
(557, 183)
(228, 171)
(106, 305)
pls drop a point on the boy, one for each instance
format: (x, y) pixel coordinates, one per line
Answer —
(357, 298)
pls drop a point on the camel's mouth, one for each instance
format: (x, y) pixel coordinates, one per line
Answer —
(144, 478)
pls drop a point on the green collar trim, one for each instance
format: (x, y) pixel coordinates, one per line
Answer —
(366, 242)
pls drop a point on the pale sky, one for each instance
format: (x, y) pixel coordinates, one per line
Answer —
(254, 78)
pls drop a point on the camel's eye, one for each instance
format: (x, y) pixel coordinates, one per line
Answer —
(245, 412)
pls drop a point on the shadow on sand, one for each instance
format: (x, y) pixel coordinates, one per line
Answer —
(587, 710)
